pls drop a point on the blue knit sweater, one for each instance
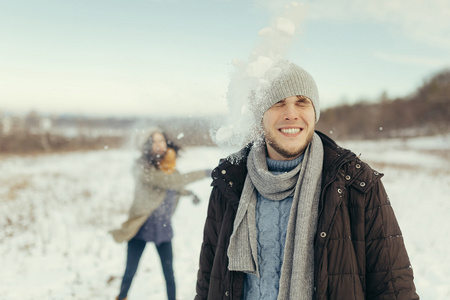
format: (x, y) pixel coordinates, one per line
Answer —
(271, 223)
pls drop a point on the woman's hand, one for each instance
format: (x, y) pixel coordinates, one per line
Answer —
(195, 199)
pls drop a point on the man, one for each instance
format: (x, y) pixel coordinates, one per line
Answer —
(298, 217)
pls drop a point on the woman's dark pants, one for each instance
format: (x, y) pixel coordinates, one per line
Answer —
(135, 249)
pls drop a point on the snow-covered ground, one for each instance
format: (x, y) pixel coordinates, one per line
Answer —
(56, 210)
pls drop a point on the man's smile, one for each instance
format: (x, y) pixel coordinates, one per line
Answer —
(290, 130)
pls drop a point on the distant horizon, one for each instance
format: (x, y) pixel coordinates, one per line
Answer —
(341, 102)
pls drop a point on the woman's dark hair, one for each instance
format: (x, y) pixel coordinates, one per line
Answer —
(147, 154)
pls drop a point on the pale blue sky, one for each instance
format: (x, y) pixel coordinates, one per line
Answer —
(113, 57)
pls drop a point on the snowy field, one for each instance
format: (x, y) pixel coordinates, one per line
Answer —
(56, 210)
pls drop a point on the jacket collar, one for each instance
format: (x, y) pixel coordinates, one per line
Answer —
(229, 176)
(334, 157)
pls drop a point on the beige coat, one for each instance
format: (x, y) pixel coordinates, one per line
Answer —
(151, 185)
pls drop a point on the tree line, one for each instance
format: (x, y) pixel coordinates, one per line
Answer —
(425, 112)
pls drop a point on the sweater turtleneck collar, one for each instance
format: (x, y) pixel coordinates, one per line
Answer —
(281, 166)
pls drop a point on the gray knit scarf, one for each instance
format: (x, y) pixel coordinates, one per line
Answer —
(304, 181)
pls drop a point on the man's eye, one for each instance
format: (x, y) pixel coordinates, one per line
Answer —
(304, 103)
(278, 104)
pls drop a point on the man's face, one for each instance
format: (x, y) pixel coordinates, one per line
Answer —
(289, 127)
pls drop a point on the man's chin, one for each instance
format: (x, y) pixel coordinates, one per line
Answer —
(288, 149)
(292, 154)
(287, 154)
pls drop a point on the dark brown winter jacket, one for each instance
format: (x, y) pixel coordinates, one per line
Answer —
(359, 249)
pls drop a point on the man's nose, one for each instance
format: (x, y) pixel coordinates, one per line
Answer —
(290, 113)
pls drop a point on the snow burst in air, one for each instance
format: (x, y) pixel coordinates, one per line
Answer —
(250, 76)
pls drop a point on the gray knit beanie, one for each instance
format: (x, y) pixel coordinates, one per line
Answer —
(291, 80)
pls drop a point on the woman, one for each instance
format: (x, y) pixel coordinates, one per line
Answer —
(158, 186)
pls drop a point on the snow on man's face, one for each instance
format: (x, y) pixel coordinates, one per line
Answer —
(159, 145)
(289, 127)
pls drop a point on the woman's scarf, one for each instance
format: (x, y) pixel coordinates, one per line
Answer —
(168, 163)
(303, 182)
